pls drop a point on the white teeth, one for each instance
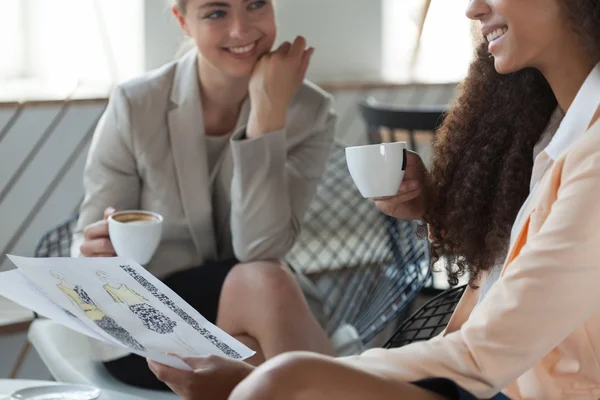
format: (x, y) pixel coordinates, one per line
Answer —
(242, 50)
(496, 34)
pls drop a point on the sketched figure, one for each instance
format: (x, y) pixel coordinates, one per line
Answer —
(218, 343)
(149, 316)
(80, 299)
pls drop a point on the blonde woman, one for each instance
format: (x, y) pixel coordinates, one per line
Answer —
(228, 143)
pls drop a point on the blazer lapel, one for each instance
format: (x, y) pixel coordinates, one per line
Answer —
(186, 130)
(523, 223)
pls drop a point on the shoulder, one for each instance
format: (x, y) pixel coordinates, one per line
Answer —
(584, 155)
(149, 91)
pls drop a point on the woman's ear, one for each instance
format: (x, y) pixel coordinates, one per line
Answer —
(180, 17)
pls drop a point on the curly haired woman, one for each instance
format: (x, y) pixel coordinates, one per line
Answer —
(514, 201)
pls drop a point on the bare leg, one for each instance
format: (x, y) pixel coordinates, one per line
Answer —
(251, 343)
(303, 376)
(263, 301)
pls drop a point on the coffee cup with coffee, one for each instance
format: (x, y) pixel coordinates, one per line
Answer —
(378, 169)
(135, 234)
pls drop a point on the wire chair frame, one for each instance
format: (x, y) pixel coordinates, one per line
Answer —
(429, 321)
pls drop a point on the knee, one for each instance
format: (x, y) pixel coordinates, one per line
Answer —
(283, 377)
(266, 277)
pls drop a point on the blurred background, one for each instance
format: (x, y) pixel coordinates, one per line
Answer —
(51, 47)
(59, 60)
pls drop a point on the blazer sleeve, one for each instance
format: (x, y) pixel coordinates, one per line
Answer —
(549, 290)
(110, 177)
(272, 185)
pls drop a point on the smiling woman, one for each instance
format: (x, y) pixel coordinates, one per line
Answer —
(228, 143)
(231, 49)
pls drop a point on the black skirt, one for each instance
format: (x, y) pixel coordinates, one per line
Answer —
(450, 390)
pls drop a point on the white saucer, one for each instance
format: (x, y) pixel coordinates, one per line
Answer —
(57, 392)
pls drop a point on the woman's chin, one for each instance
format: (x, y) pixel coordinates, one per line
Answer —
(506, 66)
(240, 71)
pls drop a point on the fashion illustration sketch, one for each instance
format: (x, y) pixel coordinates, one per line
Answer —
(152, 318)
(81, 300)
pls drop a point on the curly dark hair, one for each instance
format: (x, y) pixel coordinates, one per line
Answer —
(483, 154)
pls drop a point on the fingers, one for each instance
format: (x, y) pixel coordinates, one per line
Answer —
(108, 212)
(199, 363)
(96, 241)
(171, 376)
(195, 363)
(101, 247)
(98, 229)
(298, 47)
(409, 190)
(401, 198)
(405, 187)
(306, 61)
(409, 186)
(283, 49)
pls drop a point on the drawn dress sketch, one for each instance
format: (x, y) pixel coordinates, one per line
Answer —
(80, 299)
(148, 315)
(164, 299)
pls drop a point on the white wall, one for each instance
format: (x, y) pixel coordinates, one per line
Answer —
(347, 35)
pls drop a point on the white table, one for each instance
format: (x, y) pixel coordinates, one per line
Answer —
(8, 386)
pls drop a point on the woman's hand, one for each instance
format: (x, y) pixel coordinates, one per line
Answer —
(275, 80)
(409, 203)
(213, 377)
(96, 240)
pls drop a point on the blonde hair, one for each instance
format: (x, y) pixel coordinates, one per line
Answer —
(181, 4)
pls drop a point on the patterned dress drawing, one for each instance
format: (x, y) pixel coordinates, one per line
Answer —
(164, 299)
(83, 301)
(149, 316)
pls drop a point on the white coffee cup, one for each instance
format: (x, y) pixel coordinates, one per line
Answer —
(377, 169)
(135, 234)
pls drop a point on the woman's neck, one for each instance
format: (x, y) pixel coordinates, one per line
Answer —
(219, 92)
(566, 75)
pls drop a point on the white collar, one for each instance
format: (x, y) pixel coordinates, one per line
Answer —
(578, 117)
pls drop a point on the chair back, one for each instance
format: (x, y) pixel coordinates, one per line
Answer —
(429, 321)
(389, 123)
(57, 241)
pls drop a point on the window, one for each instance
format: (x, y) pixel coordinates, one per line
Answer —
(446, 43)
(69, 43)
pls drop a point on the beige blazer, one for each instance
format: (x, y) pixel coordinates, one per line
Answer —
(536, 335)
(149, 152)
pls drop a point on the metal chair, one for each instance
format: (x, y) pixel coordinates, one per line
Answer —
(369, 267)
(429, 321)
(57, 241)
(415, 125)
(387, 122)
